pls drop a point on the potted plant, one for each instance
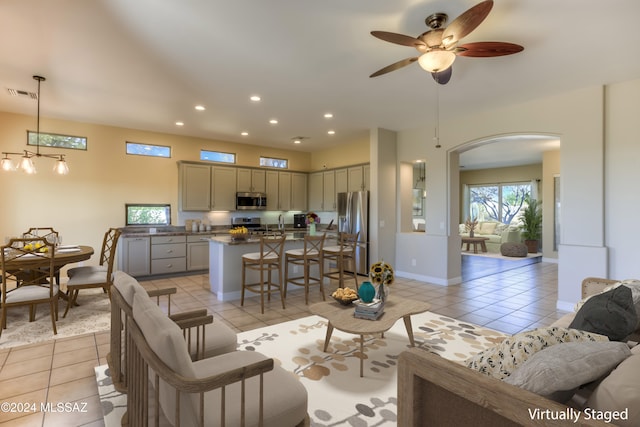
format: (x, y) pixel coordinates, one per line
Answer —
(531, 227)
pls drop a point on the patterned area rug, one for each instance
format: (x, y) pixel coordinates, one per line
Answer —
(337, 394)
(93, 314)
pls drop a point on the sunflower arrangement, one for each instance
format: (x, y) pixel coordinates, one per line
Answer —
(381, 273)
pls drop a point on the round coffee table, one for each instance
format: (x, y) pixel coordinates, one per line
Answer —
(341, 318)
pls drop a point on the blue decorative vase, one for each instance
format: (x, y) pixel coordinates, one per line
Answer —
(366, 292)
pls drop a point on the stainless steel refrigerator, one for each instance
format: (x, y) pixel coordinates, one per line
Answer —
(353, 217)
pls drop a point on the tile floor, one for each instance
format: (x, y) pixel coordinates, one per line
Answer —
(62, 370)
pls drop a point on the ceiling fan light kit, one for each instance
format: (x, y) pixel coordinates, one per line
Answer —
(439, 47)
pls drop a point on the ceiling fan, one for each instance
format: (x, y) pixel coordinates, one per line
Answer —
(439, 46)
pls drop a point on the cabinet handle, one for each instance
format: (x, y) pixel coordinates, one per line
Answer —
(169, 265)
(169, 251)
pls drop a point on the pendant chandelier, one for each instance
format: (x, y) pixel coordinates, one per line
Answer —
(26, 162)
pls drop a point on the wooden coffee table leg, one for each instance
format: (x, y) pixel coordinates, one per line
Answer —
(328, 336)
(483, 244)
(409, 328)
(361, 355)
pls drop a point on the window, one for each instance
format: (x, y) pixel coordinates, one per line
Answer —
(217, 156)
(274, 163)
(148, 150)
(148, 214)
(497, 202)
(56, 140)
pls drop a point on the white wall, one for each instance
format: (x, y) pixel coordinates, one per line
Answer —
(577, 117)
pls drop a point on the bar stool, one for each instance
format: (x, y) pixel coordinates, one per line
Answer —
(266, 261)
(307, 257)
(343, 253)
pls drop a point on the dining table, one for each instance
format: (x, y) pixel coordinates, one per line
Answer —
(62, 256)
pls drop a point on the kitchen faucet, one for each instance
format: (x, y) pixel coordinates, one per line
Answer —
(281, 222)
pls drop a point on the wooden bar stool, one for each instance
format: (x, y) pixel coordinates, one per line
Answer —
(266, 261)
(307, 257)
(341, 254)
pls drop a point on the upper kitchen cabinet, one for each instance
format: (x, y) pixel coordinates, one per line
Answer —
(251, 180)
(298, 191)
(329, 191)
(284, 191)
(342, 180)
(315, 194)
(195, 187)
(359, 178)
(206, 188)
(223, 188)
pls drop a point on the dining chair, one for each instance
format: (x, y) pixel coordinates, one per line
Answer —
(310, 255)
(90, 277)
(35, 256)
(47, 233)
(268, 260)
(343, 254)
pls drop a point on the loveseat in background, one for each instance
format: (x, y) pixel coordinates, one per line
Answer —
(497, 232)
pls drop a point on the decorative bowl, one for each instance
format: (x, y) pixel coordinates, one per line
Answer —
(240, 237)
(347, 301)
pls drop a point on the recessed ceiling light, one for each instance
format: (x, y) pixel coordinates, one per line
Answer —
(244, 133)
(273, 121)
(179, 123)
(332, 132)
(297, 141)
(200, 107)
(328, 115)
(255, 98)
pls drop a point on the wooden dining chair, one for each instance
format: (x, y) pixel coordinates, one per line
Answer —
(47, 233)
(35, 256)
(91, 277)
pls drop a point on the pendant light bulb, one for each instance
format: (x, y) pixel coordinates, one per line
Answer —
(61, 167)
(7, 164)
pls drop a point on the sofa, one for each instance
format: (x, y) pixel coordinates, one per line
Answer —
(548, 385)
(497, 232)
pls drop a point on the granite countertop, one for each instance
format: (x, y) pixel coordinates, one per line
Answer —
(296, 236)
(215, 230)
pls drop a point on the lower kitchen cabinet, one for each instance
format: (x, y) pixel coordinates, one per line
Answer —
(163, 255)
(134, 256)
(197, 253)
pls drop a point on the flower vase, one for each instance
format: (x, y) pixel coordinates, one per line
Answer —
(382, 292)
(366, 292)
(312, 229)
(471, 233)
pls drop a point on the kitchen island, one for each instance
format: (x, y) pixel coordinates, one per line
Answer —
(225, 262)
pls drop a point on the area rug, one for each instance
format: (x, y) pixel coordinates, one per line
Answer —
(93, 314)
(337, 394)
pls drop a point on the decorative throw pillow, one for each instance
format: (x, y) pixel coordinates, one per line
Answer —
(619, 391)
(500, 361)
(500, 228)
(557, 371)
(487, 227)
(611, 313)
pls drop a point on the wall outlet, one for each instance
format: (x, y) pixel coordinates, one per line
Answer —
(413, 262)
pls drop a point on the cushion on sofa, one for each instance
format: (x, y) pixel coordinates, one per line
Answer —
(487, 227)
(611, 313)
(126, 285)
(500, 361)
(557, 371)
(619, 391)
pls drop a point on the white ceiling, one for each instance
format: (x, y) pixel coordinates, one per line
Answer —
(145, 64)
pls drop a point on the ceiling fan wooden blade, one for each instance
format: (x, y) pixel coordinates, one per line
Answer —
(443, 77)
(488, 49)
(394, 66)
(466, 23)
(396, 38)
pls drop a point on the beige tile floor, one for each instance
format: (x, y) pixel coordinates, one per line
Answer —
(61, 371)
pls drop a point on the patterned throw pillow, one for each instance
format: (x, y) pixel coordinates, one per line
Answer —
(500, 361)
(500, 228)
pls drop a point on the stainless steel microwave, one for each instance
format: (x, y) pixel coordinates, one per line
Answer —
(251, 201)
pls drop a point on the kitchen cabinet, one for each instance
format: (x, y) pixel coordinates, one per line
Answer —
(206, 188)
(329, 191)
(134, 256)
(272, 190)
(168, 254)
(284, 191)
(197, 252)
(195, 187)
(223, 188)
(315, 194)
(342, 180)
(359, 178)
(298, 191)
(251, 180)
